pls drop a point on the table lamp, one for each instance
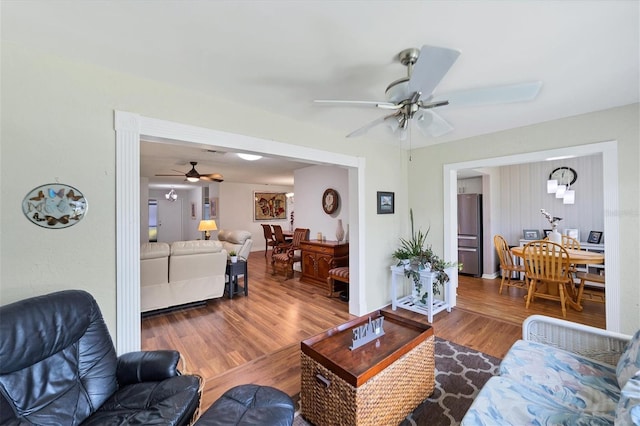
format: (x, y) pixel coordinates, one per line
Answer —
(206, 226)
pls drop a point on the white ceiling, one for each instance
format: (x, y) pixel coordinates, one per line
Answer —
(280, 55)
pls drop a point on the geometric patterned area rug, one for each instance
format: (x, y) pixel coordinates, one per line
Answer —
(460, 374)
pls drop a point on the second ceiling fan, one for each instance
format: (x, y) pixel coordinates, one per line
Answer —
(193, 175)
(411, 98)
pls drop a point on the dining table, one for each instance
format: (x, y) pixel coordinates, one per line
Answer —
(576, 257)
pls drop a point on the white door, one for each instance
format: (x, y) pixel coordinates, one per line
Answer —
(170, 220)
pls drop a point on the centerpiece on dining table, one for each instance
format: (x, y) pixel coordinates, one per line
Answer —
(554, 236)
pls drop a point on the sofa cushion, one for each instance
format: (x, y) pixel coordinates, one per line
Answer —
(505, 401)
(185, 248)
(628, 412)
(569, 379)
(154, 250)
(629, 362)
(234, 236)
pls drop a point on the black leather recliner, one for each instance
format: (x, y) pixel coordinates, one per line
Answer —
(58, 366)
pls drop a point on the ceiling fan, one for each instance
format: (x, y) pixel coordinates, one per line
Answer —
(193, 175)
(412, 99)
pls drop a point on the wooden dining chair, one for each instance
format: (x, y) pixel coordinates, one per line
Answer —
(285, 256)
(507, 266)
(269, 238)
(547, 269)
(281, 241)
(570, 243)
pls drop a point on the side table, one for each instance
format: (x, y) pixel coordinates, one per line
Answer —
(411, 302)
(233, 270)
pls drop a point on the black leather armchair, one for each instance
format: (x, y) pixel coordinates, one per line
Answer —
(58, 366)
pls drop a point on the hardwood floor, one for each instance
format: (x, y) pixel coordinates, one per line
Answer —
(256, 339)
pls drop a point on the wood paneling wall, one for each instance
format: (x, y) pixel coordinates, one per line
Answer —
(523, 193)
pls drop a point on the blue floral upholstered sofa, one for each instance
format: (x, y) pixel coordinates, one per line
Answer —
(563, 373)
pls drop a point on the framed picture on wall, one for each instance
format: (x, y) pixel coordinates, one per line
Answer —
(594, 237)
(193, 211)
(385, 202)
(269, 205)
(573, 233)
(213, 208)
(531, 234)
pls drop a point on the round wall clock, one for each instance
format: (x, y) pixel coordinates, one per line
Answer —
(330, 201)
(54, 206)
(564, 175)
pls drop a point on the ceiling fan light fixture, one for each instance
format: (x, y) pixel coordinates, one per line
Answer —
(402, 134)
(393, 121)
(193, 179)
(171, 195)
(569, 197)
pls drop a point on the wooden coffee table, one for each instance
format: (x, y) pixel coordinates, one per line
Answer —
(376, 384)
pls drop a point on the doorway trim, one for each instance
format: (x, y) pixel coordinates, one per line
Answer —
(609, 151)
(129, 127)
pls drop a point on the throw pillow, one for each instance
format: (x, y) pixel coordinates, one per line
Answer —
(629, 362)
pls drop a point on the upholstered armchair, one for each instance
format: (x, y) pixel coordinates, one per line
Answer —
(58, 366)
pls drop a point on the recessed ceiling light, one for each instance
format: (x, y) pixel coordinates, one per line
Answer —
(562, 157)
(249, 157)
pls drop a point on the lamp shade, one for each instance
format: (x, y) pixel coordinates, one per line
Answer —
(552, 186)
(207, 225)
(569, 197)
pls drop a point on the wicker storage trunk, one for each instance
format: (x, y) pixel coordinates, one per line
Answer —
(377, 384)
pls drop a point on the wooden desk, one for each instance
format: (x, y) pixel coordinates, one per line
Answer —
(318, 257)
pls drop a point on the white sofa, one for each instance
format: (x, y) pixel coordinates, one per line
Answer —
(181, 272)
(236, 240)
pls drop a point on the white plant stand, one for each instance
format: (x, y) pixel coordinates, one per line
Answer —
(412, 301)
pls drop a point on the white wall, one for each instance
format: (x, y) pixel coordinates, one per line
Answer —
(470, 185)
(236, 209)
(310, 184)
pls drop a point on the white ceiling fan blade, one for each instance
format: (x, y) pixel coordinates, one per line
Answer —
(379, 104)
(432, 65)
(362, 130)
(431, 124)
(492, 95)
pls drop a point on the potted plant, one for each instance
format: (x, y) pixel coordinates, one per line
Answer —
(416, 256)
(233, 256)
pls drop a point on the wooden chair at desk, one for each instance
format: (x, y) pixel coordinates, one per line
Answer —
(547, 269)
(508, 266)
(285, 256)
